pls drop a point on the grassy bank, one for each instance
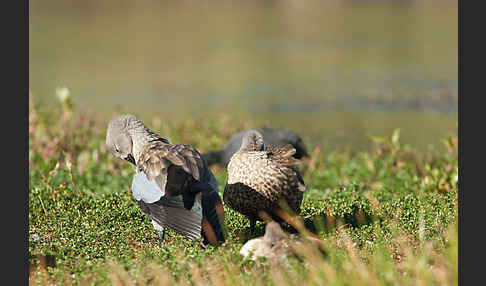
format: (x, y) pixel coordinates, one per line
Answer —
(386, 217)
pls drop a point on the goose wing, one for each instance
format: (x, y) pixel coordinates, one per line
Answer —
(158, 158)
(178, 169)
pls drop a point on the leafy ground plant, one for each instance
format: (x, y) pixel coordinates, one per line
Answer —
(387, 216)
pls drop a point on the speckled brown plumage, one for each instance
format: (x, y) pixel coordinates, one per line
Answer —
(260, 177)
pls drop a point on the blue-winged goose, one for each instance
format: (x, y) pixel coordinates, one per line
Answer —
(173, 185)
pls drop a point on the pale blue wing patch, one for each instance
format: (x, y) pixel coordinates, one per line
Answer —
(145, 189)
(150, 192)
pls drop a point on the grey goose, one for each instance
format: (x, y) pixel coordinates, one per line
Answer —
(173, 185)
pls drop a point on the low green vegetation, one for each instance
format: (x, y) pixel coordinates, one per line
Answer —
(387, 216)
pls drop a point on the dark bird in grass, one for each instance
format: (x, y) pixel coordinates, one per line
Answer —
(271, 137)
(261, 178)
(173, 185)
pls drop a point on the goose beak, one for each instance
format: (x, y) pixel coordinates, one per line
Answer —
(130, 159)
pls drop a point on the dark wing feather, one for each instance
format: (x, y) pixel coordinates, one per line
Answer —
(170, 214)
(143, 206)
(213, 218)
(301, 184)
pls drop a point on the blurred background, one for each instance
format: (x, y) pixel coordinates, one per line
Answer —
(334, 71)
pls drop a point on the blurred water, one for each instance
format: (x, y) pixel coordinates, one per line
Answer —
(334, 70)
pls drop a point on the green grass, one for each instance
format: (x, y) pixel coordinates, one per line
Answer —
(387, 216)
